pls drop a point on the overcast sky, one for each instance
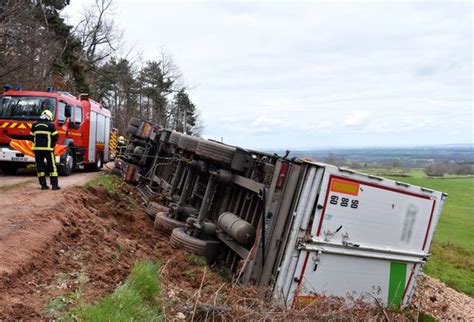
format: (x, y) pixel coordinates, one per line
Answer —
(316, 74)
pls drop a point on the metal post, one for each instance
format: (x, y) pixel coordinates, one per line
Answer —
(177, 177)
(187, 185)
(207, 200)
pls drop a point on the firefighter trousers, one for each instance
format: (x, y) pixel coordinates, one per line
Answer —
(49, 167)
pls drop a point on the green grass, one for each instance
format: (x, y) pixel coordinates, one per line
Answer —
(109, 182)
(135, 300)
(392, 172)
(452, 250)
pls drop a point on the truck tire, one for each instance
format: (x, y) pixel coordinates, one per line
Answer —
(97, 165)
(174, 137)
(135, 121)
(140, 142)
(138, 152)
(215, 151)
(165, 135)
(153, 208)
(10, 169)
(66, 169)
(132, 130)
(188, 143)
(180, 240)
(166, 224)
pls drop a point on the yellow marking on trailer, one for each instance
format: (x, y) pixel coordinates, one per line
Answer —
(13, 125)
(22, 126)
(344, 186)
(30, 125)
(5, 124)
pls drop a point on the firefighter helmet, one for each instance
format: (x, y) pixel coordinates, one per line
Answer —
(121, 139)
(47, 115)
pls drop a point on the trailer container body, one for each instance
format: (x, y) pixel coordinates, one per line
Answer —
(343, 233)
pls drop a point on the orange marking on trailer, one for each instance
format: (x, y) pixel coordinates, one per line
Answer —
(346, 187)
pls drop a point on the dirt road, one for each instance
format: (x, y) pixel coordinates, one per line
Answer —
(26, 218)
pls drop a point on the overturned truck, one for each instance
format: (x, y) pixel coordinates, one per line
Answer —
(303, 228)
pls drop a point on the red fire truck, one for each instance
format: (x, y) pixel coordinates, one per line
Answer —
(83, 126)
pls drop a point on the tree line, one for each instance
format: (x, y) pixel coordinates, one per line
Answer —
(39, 49)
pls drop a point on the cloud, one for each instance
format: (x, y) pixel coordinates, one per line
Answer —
(318, 73)
(357, 118)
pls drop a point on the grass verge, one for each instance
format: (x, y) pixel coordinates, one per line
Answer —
(110, 182)
(452, 250)
(135, 300)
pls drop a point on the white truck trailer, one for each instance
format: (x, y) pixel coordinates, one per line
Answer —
(336, 232)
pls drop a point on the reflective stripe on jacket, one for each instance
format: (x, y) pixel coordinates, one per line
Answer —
(44, 135)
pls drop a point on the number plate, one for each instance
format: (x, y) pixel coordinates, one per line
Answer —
(20, 159)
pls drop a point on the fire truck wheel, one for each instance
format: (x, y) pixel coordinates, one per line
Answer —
(66, 169)
(174, 137)
(134, 121)
(166, 224)
(9, 169)
(132, 130)
(99, 163)
(179, 239)
(188, 143)
(215, 151)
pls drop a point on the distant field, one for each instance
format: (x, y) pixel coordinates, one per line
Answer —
(452, 259)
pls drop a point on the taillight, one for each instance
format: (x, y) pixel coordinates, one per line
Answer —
(282, 175)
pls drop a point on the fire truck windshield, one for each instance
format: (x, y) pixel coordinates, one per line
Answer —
(25, 107)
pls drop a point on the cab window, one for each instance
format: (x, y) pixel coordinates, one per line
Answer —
(62, 113)
(77, 115)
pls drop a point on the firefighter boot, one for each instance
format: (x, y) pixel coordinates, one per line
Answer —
(54, 183)
(42, 181)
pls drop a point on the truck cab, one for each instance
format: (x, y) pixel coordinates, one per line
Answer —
(85, 140)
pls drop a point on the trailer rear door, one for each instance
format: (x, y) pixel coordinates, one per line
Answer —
(368, 238)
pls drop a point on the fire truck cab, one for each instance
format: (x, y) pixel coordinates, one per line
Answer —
(83, 126)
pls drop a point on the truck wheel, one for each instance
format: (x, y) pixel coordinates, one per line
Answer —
(138, 151)
(188, 143)
(9, 170)
(135, 121)
(132, 130)
(153, 208)
(180, 240)
(99, 163)
(215, 151)
(166, 224)
(174, 137)
(66, 169)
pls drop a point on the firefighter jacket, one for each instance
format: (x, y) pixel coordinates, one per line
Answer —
(44, 135)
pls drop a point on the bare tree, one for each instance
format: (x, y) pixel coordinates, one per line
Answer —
(98, 33)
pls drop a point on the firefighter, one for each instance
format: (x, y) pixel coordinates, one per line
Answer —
(45, 137)
(121, 146)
